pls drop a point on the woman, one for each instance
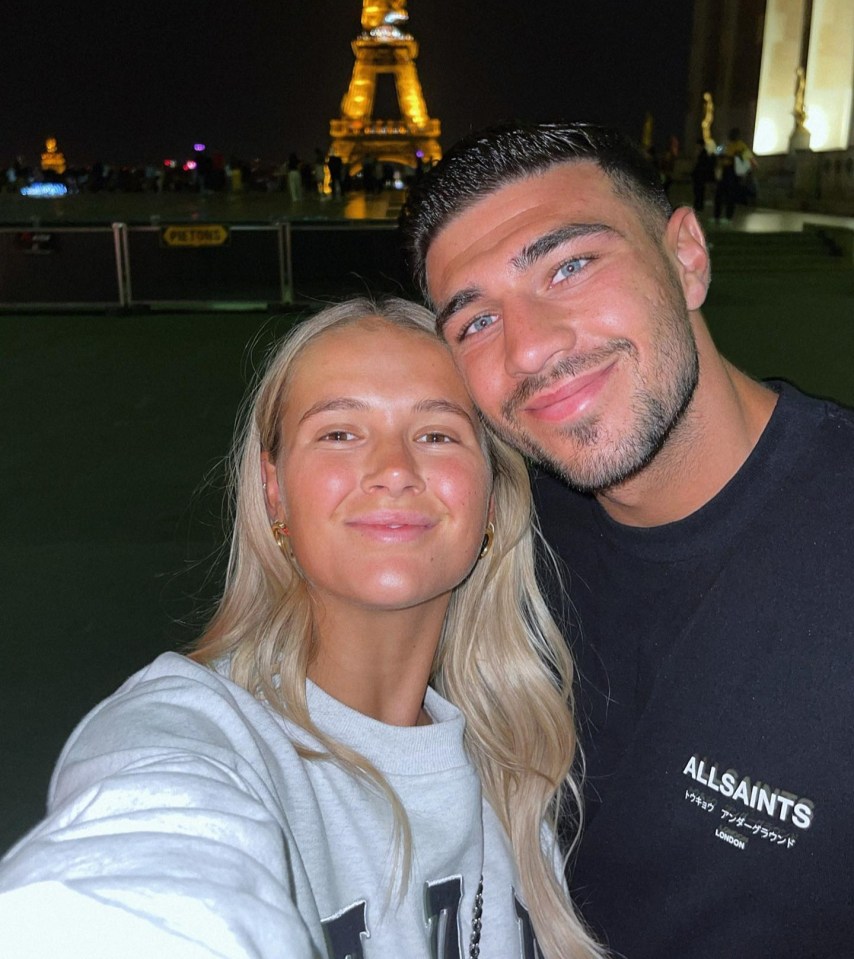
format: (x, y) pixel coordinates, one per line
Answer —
(363, 754)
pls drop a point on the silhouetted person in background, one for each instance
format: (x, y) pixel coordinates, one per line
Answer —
(734, 164)
(336, 175)
(294, 178)
(702, 173)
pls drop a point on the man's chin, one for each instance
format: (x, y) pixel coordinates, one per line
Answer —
(596, 478)
(568, 446)
(579, 456)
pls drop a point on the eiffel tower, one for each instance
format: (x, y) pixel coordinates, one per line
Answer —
(383, 47)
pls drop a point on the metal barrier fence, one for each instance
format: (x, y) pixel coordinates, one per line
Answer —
(192, 265)
(62, 267)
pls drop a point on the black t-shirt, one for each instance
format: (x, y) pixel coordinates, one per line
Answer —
(716, 704)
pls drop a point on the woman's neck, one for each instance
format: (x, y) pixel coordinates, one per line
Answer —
(378, 662)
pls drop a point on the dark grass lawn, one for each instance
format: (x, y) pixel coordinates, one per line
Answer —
(111, 481)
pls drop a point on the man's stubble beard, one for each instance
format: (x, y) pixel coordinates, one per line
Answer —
(600, 462)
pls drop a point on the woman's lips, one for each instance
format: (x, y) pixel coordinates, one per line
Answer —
(571, 400)
(392, 526)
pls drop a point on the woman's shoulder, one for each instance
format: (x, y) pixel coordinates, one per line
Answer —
(172, 671)
(177, 687)
(172, 707)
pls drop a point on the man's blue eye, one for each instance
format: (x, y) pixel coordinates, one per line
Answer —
(570, 268)
(477, 324)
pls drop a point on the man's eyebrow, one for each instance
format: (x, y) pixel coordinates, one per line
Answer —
(548, 242)
(331, 405)
(457, 302)
(534, 251)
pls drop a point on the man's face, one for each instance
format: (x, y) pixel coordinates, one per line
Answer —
(568, 321)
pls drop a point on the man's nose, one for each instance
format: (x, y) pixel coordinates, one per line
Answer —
(535, 334)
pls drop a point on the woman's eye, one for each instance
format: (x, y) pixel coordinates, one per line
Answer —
(337, 436)
(476, 325)
(570, 268)
(435, 437)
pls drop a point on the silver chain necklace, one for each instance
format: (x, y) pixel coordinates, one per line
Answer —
(476, 922)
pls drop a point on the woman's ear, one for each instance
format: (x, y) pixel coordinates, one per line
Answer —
(272, 493)
(686, 243)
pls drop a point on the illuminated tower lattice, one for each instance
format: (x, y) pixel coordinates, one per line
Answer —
(383, 47)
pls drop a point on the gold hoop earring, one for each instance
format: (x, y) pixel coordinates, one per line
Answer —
(488, 537)
(280, 535)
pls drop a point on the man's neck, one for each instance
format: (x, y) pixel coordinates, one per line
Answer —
(709, 445)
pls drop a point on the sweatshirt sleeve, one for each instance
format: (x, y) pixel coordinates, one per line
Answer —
(164, 838)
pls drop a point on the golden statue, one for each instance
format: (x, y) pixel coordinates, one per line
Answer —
(800, 112)
(706, 124)
(53, 158)
(383, 47)
(800, 138)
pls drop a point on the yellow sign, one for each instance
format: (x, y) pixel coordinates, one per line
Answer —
(197, 234)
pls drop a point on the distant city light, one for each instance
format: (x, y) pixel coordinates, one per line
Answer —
(199, 147)
(170, 163)
(190, 165)
(44, 189)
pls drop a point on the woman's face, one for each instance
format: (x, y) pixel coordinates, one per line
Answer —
(381, 478)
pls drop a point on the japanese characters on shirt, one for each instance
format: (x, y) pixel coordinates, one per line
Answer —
(744, 809)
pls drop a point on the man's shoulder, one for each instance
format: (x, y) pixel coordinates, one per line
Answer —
(839, 418)
(823, 426)
(797, 398)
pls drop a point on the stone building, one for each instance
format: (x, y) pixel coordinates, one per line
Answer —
(782, 71)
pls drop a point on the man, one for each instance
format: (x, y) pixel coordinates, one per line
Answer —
(704, 522)
(735, 183)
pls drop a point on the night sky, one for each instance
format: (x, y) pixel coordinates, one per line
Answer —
(140, 81)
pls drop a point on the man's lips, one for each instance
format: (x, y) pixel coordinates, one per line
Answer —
(570, 400)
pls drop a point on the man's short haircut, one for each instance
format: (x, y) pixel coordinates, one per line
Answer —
(489, 159)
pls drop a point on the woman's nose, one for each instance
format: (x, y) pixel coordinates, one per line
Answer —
(392, 466)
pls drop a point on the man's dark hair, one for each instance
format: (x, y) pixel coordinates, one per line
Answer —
(486, 160)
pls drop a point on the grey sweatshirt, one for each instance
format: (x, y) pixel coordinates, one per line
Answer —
(182, 823)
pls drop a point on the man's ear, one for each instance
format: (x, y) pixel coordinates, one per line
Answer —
(272, 493)
(686, 243)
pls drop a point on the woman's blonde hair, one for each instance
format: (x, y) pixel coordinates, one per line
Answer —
(501, 660)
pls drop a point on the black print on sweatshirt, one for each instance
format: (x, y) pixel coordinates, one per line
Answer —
(348, 937)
